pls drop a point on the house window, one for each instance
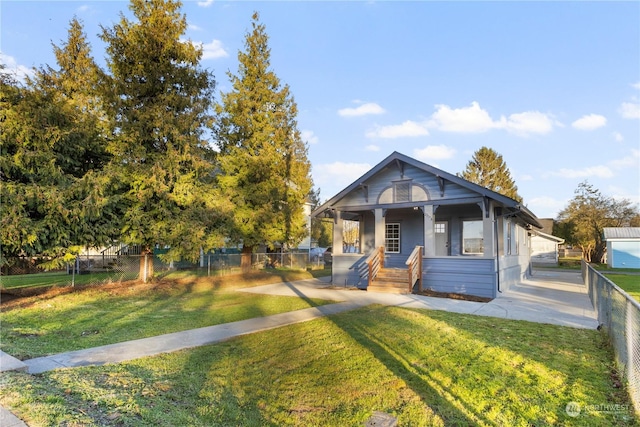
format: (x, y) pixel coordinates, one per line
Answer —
(350, 237)
(472, 238)
(392, 238)
(508, 243)
(402, 192)
(440, 227)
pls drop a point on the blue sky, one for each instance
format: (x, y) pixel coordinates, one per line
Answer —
(554, 87)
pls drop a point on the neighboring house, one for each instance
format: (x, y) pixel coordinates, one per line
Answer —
(623, 246)
(544, 245)
(468, 239)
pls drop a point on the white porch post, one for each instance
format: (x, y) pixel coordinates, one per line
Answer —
(337, 233)
(429, 232)
(379, 228)
(487, 230)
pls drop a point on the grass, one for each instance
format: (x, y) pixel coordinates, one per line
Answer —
(61, 278)
(66, 319)
(629, 283)
(423, 367)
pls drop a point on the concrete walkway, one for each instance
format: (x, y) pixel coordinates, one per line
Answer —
(554, 297)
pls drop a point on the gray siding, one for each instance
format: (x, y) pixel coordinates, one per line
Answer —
(381, 181)
(349, 270)
(463, 275)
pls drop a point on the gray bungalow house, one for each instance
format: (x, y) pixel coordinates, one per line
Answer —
(406, 226)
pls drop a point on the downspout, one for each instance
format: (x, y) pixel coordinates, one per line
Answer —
(495, 230)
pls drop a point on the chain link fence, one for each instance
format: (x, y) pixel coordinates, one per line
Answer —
(619, 315)
(113, 268)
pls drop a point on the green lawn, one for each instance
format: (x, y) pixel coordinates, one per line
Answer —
(58, 322)
(423, 367)
(629, 283)
(62, 279)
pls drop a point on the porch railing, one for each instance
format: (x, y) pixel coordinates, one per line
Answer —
(414, 265)
(375, 263)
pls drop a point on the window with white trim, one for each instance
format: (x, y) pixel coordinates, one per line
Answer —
(508, 242)
(472, 237)
(392, 238)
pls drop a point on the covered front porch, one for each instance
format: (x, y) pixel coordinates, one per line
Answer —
(444, 247)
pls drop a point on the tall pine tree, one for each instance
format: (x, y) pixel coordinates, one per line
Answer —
(159, 100)
(264, 170)
(488, 169)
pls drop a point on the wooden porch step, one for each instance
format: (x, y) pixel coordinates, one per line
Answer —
(391, 280)
(389, 287)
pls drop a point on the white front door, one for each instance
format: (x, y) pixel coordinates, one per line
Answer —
(442, 238)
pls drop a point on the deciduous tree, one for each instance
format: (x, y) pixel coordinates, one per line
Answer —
(488, 169)
(583, 221)
(264, 170)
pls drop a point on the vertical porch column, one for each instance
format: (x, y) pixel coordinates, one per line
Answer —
(379, 228)
(429, 232)
(337, 233)
(488, 235)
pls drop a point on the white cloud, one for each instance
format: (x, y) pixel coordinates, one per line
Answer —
(362, 110)
(629, 110)
(588, 172)
(525, 177)
(193, 27)
(630, 161)
(308, 135)
(406, 129)
(618, 136)
(526, 123)
(83, 8)
(474, 119)
(205, 3)
(590, 122)
(20, 72)
(434, 152)
(636, 85)
(372, 148)
(545, 206)
(212, 50)
(333, 177)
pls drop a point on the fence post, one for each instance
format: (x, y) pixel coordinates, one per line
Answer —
(209, 264)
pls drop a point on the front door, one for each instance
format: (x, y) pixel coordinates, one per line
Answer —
(442, 238)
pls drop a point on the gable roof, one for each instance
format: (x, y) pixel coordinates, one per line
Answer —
(611, 233)
(508, 202)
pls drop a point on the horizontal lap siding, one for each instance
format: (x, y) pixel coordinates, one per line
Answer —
(349, 270)
(460, 275)
(378, 183)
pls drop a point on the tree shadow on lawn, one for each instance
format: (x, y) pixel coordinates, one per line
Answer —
(473, 370)
(104, 319)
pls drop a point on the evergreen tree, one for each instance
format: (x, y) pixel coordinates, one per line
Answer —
(321, 228)
(51, 146)
(159, 100)
(264, 170)
(488, 169)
